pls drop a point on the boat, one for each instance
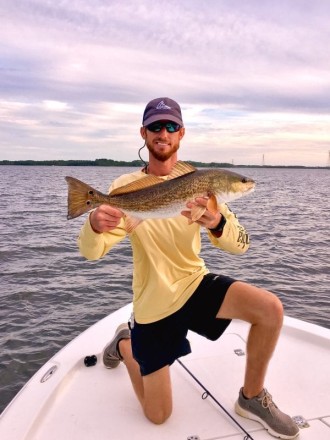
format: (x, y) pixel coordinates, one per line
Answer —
(73, 396)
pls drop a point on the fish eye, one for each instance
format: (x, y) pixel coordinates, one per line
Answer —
(88, 202)
(244, 180)
(91, 192)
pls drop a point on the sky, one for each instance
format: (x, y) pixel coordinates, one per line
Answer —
(252, 78)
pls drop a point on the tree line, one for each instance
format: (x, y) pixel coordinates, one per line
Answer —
(99, 163)
(134, 163)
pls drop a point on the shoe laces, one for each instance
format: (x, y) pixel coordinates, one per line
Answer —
(267, 401)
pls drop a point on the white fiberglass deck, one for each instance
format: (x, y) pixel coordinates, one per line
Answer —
(83, 403)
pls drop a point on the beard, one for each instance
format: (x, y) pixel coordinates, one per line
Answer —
(162, 156)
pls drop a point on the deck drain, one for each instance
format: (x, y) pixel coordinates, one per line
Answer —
(239, 352)
(300, 421)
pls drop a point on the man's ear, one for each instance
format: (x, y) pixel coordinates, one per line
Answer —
(182, 132)
(143, 133)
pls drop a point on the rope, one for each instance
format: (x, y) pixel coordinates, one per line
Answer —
(207, 393)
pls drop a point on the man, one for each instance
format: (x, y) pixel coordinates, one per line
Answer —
(174, 291)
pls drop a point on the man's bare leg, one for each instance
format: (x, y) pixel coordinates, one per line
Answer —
(153, 391)
(265, 313)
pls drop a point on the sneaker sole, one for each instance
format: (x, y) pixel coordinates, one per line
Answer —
(115, 363)
(248, 415)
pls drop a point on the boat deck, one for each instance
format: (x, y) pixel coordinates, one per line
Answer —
(77, 402)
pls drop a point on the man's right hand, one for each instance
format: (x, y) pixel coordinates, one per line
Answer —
(105, 218)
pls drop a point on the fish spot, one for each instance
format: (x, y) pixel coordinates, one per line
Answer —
(88, 202)
(91, 192)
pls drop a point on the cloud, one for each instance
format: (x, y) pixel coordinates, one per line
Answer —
(250, 75)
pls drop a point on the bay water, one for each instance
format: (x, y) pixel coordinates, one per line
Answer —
(49, 293)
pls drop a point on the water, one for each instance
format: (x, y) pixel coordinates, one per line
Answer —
(49, 293)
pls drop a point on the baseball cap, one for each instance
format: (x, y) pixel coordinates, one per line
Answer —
(162, 108)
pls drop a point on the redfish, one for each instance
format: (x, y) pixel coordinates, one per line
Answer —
(152, 197)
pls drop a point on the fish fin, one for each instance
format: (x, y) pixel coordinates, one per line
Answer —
(131, 223)
(212, 204)
(80, 197)
(180, 169)
(145, 182)
(197, 212)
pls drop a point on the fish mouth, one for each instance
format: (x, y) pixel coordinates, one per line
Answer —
(249, 188)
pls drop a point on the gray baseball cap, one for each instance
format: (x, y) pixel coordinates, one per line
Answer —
(162, 109)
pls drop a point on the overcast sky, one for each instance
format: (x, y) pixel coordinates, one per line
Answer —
(252, 78)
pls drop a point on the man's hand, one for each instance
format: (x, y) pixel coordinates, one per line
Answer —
(105, 218)
(210, 219)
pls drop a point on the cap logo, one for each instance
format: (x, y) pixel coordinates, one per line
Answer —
(162, 106)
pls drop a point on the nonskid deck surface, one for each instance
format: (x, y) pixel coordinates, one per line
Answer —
(85, 403)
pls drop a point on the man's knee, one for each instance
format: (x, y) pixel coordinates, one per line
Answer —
(157, 416)
(251, 304)
(274, 312)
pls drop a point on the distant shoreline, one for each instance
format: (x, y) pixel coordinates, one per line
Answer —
(138, 163)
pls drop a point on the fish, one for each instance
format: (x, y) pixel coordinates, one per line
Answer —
(152, 197)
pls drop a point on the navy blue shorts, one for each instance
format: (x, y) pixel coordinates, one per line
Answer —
(160, 343)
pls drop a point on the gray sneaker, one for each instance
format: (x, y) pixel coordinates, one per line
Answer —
(111, 354)
(262, 409)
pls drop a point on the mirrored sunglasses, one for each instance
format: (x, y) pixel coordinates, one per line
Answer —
(171, 127)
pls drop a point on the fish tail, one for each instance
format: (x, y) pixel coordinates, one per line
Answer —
(80, 197)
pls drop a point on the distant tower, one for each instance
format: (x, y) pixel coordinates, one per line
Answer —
(263, 160)
(329, 160)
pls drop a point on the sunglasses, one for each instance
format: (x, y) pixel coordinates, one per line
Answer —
(171, 127)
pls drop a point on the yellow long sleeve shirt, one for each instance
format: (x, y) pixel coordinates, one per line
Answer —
(166, 261)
